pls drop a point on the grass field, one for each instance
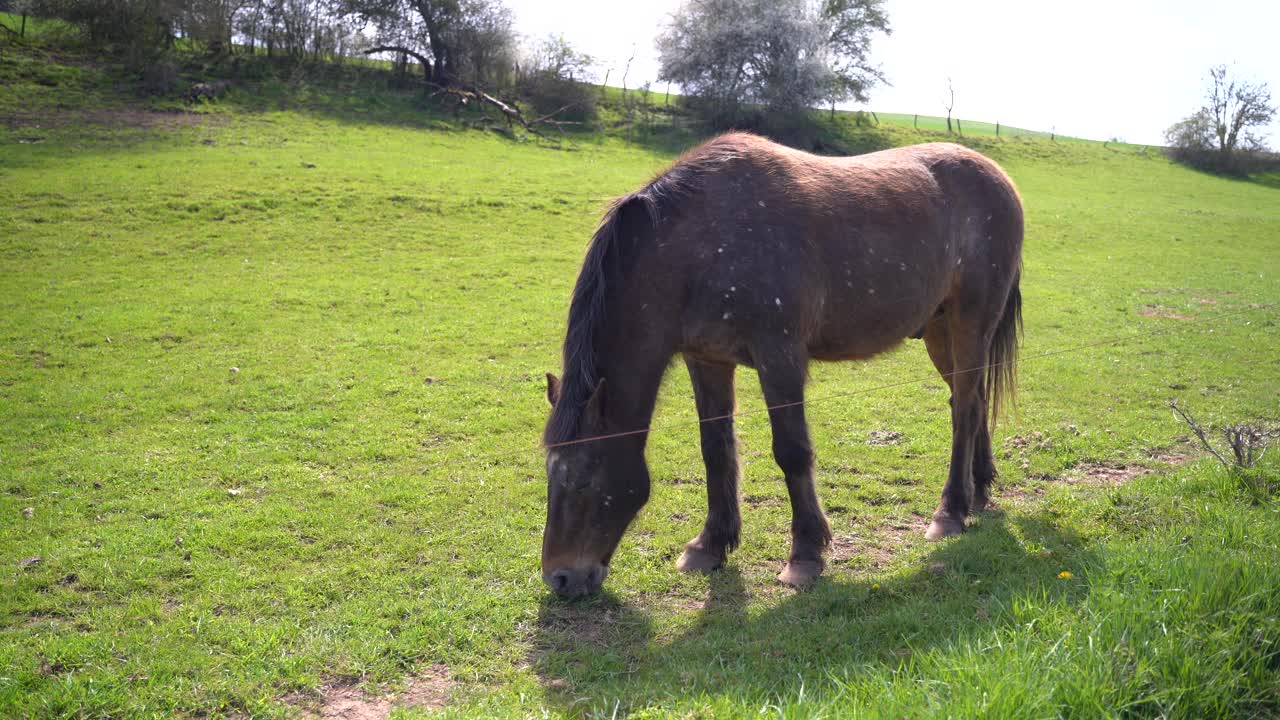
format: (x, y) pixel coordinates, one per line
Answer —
(271, 389)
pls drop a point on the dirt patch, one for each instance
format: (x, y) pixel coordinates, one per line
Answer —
(115, 118)
(1172, 456)
(1016, 493)
(1109, 474)
(1204, 301)
(880, 545)
(1155, 311)
(429, 690)
(1035, 440)
(590, 625)
(884, 437)
(762, 500)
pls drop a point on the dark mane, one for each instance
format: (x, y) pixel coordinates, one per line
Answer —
(629, 218)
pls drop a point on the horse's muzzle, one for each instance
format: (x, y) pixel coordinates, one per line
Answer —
(576, 582)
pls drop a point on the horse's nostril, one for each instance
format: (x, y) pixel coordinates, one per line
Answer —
(559, 580)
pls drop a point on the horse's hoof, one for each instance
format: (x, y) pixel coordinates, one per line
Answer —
(695, 559)
(944, 526)
(983, 504)
(800, 574)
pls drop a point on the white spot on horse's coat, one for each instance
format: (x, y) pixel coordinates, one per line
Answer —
(871, 291)
(726, 316)
(988, 217)
(645, 305)
(849, 283)
(902, 266)
(733, 288)
(761, 202)
(786, 331)
(777, 301)
(720, 249)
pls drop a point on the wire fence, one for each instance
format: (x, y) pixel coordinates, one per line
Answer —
(1131, 338)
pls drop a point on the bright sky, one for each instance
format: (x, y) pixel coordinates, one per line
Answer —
(1092, 68)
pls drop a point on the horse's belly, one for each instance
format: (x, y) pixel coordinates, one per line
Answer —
(856, 327)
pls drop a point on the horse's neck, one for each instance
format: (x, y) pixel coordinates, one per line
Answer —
(632, 371)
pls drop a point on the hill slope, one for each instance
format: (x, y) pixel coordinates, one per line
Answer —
(272, 382)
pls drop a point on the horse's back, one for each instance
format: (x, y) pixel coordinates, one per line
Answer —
(846, 256)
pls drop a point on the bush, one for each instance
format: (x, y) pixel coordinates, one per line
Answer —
(548, 93)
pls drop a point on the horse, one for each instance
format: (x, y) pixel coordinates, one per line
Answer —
(745, 252)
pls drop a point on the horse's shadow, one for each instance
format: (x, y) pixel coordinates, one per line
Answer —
(606, 653)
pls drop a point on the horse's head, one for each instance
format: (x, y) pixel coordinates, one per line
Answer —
(595, 488)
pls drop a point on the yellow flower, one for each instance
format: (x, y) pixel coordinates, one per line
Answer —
(1065, 575)
(875, 586)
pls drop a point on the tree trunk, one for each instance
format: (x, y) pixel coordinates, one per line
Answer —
(426, 64)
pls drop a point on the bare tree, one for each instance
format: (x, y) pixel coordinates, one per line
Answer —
(552, 77)
(951, 103)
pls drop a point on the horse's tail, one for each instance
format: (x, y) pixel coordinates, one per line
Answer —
(1002, 363)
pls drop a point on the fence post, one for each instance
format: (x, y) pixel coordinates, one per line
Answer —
(916, 122)
(959, 127)
(997, 128)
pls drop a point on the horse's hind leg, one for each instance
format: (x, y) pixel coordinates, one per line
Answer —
(783, 382)
(984, 463)
(937, 340)
(968, 343)
(713, 392)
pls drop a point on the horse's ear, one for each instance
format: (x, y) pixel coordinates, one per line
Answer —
(553, 389)
(595, 406)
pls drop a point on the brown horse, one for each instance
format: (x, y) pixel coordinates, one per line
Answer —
(749, 253)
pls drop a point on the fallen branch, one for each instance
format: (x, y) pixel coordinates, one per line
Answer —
(465, 93)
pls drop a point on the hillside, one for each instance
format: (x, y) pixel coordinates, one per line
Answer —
(272, 378)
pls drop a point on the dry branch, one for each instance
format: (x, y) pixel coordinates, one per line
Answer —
(465, 93)
(1248, 443)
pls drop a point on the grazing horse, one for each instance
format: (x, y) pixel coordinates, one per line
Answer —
(749, 253)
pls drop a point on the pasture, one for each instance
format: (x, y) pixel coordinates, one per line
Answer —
(271, 385)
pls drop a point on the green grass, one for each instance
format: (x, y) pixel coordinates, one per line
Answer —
(344, 315)
(967, 128)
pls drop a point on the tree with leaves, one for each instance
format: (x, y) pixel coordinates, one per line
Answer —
(460, 39)
(742, 57)
(1221, 134)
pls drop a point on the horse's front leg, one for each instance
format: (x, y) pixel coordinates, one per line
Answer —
(713, 391)
(783, 383)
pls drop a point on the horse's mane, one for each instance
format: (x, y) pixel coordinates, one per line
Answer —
(628, 219)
